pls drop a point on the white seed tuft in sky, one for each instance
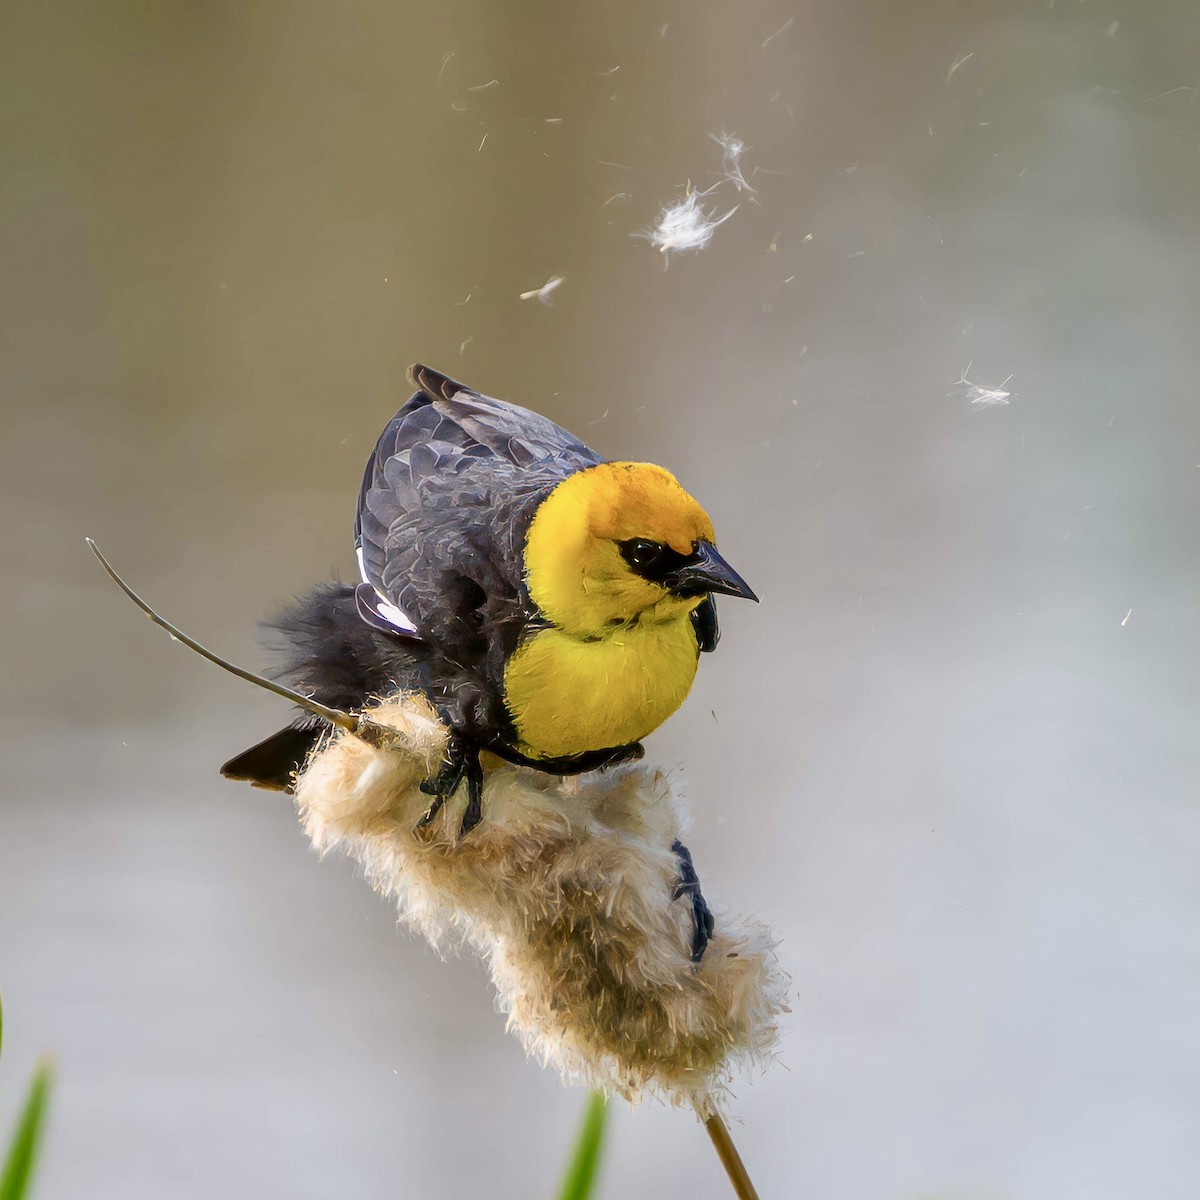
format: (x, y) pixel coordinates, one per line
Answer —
(732, 149)
(543, 293)
(980, 396)
(958, 62)
(686, 225)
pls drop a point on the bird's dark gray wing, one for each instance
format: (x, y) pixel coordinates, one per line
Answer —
(445, 503)
(475, 422)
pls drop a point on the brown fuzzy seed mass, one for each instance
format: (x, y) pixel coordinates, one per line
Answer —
(566, 890)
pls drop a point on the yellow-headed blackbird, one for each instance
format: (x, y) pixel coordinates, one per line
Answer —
(552, 606)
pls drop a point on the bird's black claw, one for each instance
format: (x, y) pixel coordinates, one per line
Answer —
(689, 885)
(474, 810)
(432, 811)
(462, 762)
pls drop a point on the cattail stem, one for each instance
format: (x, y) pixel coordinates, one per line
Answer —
(347, 721)
(731, 1160)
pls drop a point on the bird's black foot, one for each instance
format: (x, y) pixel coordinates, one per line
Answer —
(462, 762)
(689, 885)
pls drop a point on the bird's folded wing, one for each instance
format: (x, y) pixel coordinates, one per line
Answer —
(445, 502)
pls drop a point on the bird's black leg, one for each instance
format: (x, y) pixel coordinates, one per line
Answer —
(474, 811)
(462, 760)
(689, 885)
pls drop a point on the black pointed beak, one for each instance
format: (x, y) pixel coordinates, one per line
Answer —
(706, 571)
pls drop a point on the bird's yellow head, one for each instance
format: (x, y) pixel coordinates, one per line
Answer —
(621, 541)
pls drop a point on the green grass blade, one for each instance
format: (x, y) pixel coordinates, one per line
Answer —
(585, 1159)
(22, 1154)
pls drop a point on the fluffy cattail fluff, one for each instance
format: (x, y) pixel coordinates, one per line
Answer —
(566, 890)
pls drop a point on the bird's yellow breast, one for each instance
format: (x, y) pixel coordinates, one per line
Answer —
(568, 696)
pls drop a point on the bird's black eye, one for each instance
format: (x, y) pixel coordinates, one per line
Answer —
(641, 553)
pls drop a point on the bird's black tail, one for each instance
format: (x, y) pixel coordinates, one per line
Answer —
(274, 762)
(331, 655)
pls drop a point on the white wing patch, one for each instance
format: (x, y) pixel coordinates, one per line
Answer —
(389, 612)
(395, 616)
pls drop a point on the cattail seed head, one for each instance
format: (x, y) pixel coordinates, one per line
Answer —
(566, 889)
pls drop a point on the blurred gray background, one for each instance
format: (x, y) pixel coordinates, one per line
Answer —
(951, 757)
